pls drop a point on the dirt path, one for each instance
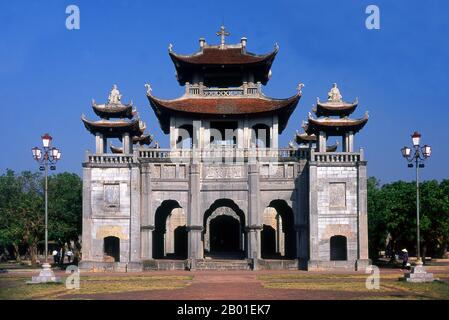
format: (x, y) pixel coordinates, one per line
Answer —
(230, 285)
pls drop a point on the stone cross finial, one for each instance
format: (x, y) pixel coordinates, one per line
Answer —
(222, 34)
(334, 94)
(114, 95)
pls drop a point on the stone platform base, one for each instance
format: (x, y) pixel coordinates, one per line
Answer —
(314, 265)
(45, 276)
(215, 264)
(164, 264)
(274, 264)
(418, 274)
(98, 266)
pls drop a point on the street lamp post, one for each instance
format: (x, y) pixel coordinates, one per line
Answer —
(416, 159)
(47, 156)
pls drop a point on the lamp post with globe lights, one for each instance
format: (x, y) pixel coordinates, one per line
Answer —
(46, 157)
(415, 158)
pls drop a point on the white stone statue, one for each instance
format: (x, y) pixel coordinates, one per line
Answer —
(114, 95)
(334, 94)
(291, 145)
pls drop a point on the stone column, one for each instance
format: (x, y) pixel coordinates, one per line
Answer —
(87, 214)
(147, 219)
(173, 133)
(134, 237)
(254, 217)
(100, 144)
(363, 259)
(313, 214)
(274, 133)
(350, 141)
(194, 223)
(322, 141)
(127, 143)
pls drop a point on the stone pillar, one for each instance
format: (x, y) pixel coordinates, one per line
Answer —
(322, 141)
(173, 133)
(350, 147)
(246, 134)
(127, 143)
(87, 215)
(134, 236)
(147, 219)
(254, 217)
(274, 133)
(313, 214)
(363, 258)
(100, 143)
(194, 222)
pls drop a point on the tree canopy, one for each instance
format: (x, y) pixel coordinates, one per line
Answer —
(22, 211)
(392, 213)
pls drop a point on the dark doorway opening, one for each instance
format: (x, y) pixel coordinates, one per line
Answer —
(181, 242)
(225, 234)
(112, 247)
(160, 232)
(338, 248)
(268, 238)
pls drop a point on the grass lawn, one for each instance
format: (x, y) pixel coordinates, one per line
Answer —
(15, 287)
(390, 287)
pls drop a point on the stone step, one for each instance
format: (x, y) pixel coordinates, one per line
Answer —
(222, 265)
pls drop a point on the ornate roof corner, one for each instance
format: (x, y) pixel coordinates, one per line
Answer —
(170, 47)
(299, 88)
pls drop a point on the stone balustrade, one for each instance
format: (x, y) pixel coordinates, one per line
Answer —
(204, 155)
(247, 89)
(110, 159)
(337, 157)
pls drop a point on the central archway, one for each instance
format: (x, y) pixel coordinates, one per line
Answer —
(224, 231)
(225, 234)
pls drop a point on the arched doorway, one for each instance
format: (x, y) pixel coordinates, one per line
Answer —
(180, 240)
(338, 248)
(111, 248)
(268, 238)
(170, 233)
(278, 234)
(224, 233)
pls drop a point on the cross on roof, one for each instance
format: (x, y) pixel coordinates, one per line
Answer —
(222, 33)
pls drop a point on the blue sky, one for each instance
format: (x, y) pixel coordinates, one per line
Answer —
(48, 74)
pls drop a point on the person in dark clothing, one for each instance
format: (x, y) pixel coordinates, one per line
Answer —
(404, 258)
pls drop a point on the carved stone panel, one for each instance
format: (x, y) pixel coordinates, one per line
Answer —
(224, 172)
(112, 196)
(337, 195)
(156, 172)
(168, 172)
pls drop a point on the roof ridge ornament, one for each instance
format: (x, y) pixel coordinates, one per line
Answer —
(334, 94)
(149, 89)
(222, 34)
(300, 86)
(170, 47)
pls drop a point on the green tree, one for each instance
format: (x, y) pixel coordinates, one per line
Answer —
(22, 209)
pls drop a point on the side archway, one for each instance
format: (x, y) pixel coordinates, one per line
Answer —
(170, 232)
(278, 238)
